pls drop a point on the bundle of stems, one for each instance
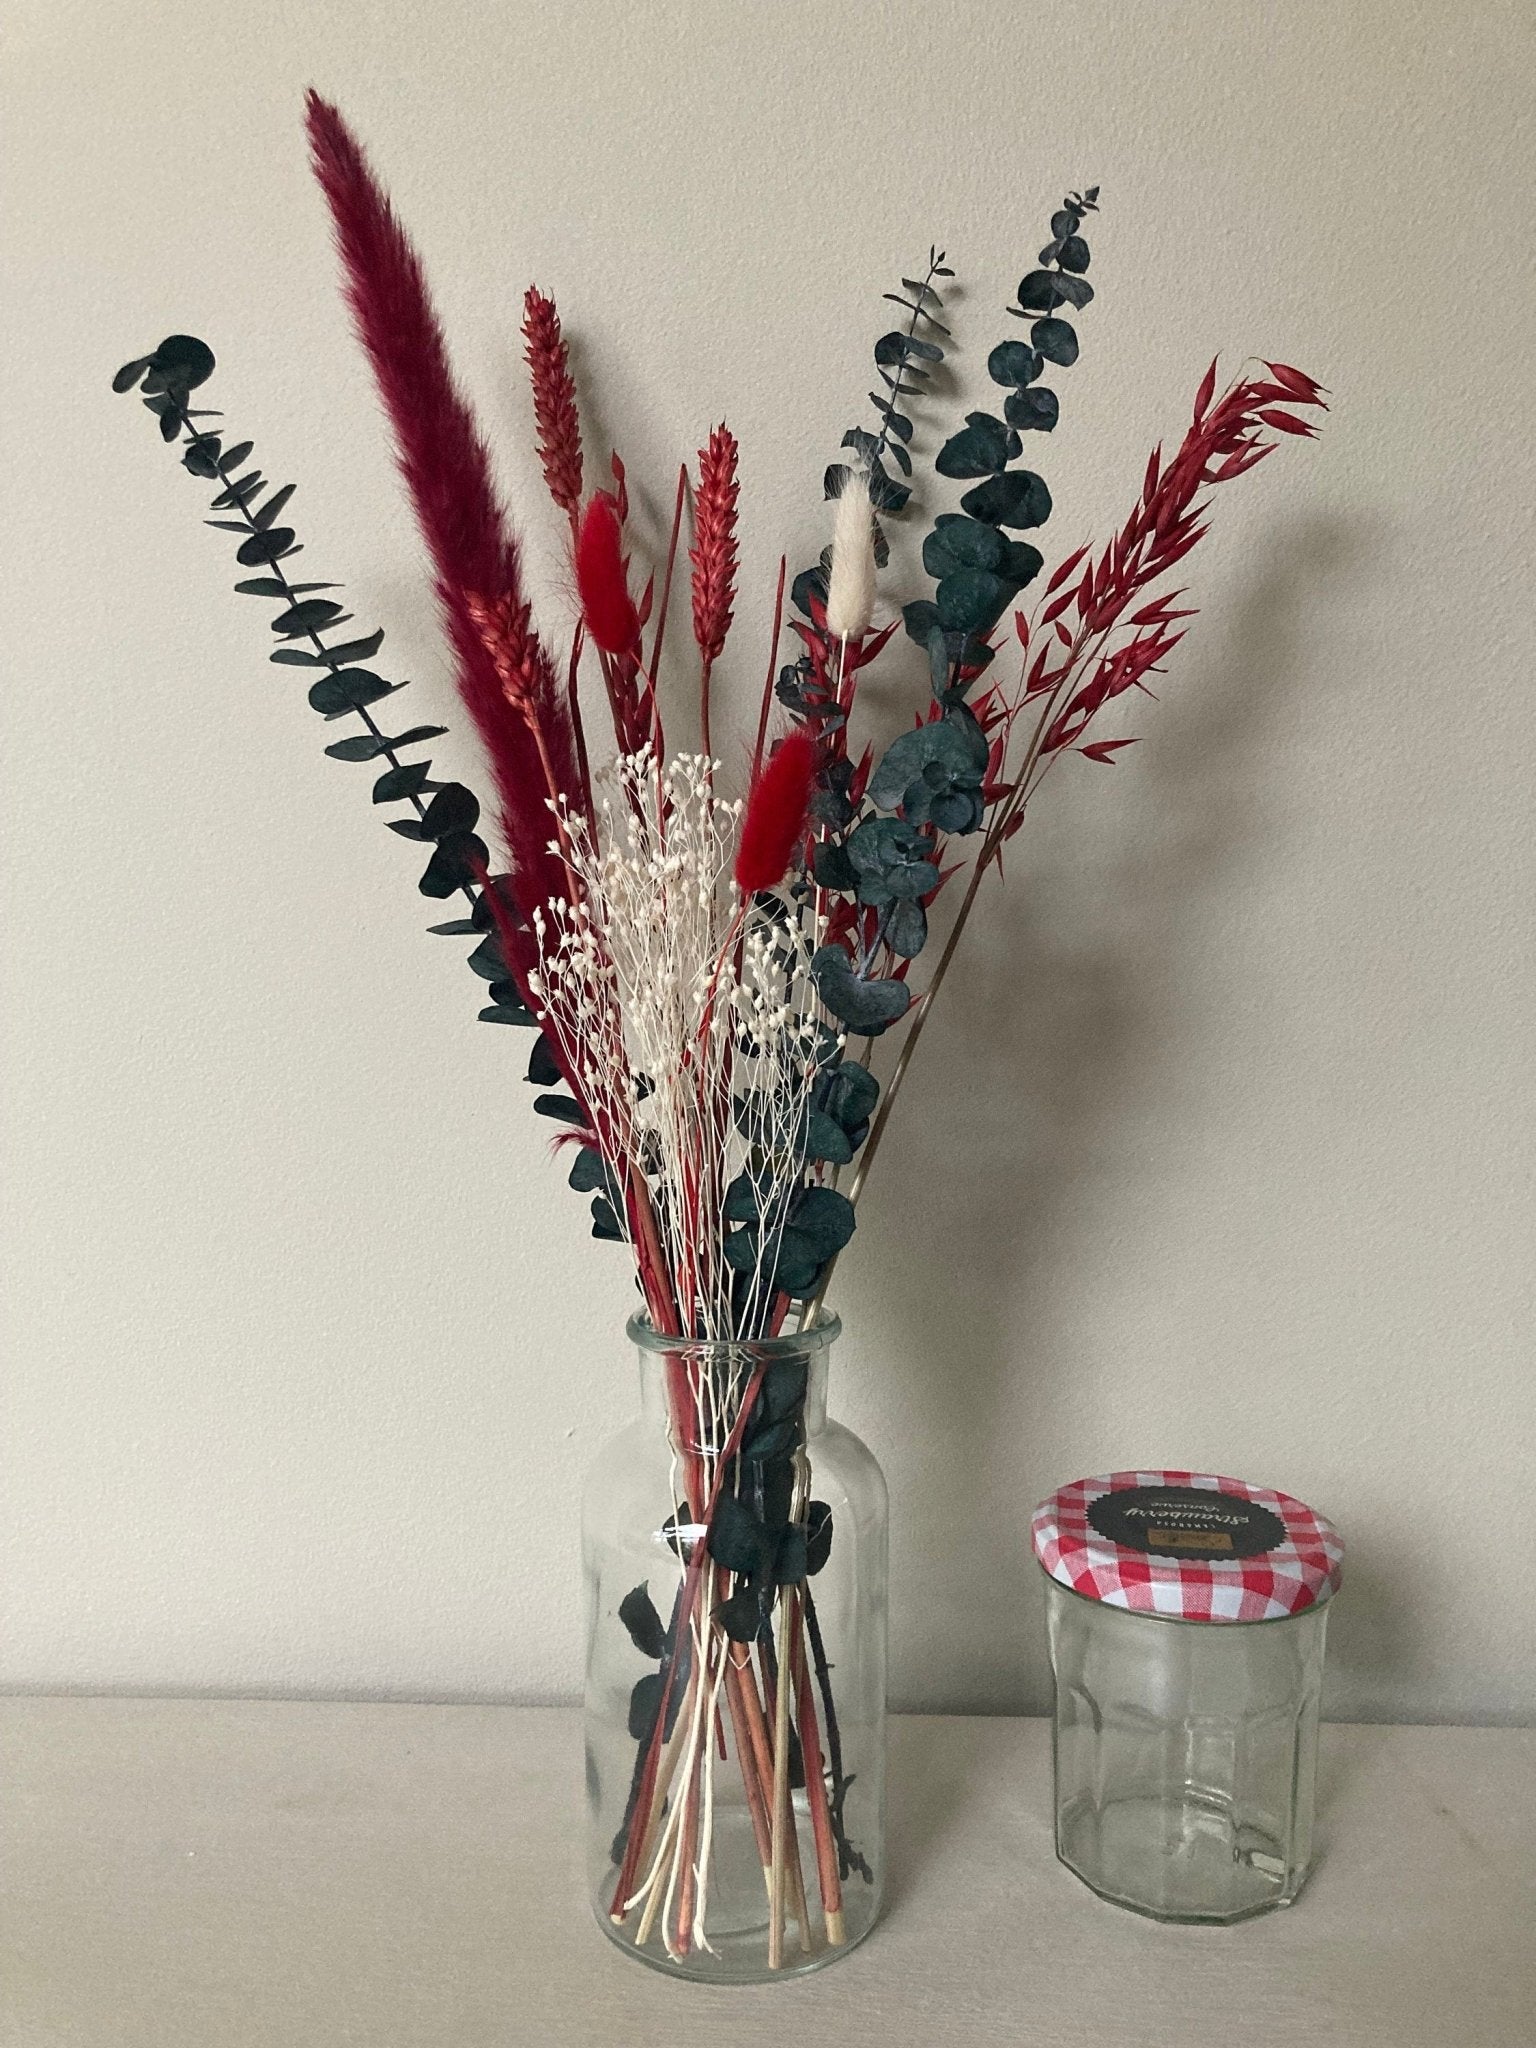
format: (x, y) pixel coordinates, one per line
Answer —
(709, 975)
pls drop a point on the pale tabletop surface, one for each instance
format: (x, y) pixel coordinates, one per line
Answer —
(259, 1874)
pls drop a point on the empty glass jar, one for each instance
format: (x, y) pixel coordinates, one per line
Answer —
(1187, 1615)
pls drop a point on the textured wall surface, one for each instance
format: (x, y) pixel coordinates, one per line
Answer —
(1220, 1152)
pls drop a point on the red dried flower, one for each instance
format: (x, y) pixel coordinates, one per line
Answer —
(713, 553)
(447, 471)
(606, 604)
(505, 627)
(774, 823)
(554, 401)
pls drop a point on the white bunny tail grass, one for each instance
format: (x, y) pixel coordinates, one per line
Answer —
(851, 584)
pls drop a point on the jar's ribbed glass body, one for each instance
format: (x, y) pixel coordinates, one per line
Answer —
(734, 1543)
(1185, 1755)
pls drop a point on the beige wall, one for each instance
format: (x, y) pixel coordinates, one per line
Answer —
(1221, 1153)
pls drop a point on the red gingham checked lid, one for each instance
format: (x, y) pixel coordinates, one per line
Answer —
(1188, 1545)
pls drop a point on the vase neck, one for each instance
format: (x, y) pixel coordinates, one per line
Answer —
(695, 1391)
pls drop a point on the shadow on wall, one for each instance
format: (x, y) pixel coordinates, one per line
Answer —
(1065, 1028)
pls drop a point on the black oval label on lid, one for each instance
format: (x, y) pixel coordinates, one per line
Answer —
(1186, 1521)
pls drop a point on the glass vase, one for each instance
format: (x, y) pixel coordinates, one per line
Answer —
(734, 1544)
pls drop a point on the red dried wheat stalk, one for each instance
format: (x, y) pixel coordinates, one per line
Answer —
(713, 556)
(554, 402)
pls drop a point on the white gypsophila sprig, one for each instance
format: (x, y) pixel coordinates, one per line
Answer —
(689, 1020)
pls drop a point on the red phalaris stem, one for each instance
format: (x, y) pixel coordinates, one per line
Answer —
(768, 680)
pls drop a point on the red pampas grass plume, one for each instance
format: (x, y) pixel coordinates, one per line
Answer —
(448, 474)
(774, 823)
(601, 582)
(554, 401)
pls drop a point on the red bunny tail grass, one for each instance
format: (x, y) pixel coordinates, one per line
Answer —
(774, 823)
(606, 605)
(448, 474)
(554, 401)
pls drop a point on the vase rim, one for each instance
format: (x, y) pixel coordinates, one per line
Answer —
(820, 1336)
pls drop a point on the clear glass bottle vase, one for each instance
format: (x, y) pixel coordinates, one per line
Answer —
(734, 1544)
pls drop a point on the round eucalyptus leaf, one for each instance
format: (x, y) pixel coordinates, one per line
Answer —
(971, 601)
(1017, 498)
(959, 543)
(1035, 411)
(906, 931)
(1040, 292)
(1013, 363)
(979, 449)
(1056, 341)
(866, 1007)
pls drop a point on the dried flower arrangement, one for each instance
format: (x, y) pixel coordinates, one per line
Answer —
(707, 976)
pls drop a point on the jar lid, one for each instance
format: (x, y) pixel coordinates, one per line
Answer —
(1188, 1545)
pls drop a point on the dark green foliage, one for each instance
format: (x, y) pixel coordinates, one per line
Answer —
(357, 650)
(645, 1705)
(790, 1558)
(970, 601)
(818, 1536)
(1033, 411)
(1017, 498)
(1056, 341)
(865, 1006)
(458, 859)
(165, 379)
(370, 745)
(982, 447)
(890, 860)
(544, 1068)
(784, 1388)
(1014, 364)
(934, 774)
(905, 359)
(737, 1538)
(591, 1174)
(824, 1218)
(977, 583)
(818, 1224)
(310, 615)
(349, 689)
(846, 1095)
(638, 1613)
(453, 809)
(1044, 290)
(271, 546)
(407, 780)
(562, 1108)
(772, 1440)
